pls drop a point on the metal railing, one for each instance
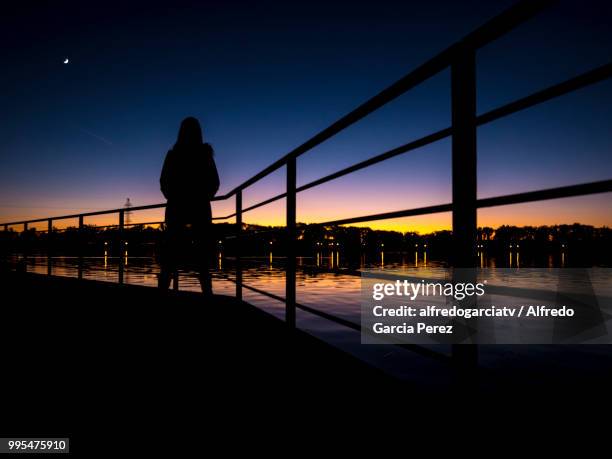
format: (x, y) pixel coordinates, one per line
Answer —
(461, 59)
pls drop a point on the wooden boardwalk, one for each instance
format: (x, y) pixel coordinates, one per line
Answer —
(177, 331)
(126, 344)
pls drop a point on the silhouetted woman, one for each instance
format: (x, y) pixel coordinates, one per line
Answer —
(189, 180)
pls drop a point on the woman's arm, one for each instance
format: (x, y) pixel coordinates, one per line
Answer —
(164, 179)
(213, 175)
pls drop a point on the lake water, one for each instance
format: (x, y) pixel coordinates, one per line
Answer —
(334, 292)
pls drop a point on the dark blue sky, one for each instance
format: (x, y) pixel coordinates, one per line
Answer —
(264, 76)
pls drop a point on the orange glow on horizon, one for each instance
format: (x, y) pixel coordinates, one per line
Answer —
(589, 210)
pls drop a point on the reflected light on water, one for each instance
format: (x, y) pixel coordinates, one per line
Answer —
(332, 291)
(563, 259)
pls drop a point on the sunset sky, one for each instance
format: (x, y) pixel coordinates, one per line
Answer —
(263, 77)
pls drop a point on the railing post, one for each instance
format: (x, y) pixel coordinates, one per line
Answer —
(121, 227)
(290, 287)
(463, 101)
(81, 240)
(25, 246)
(49, 246)
(238, 244)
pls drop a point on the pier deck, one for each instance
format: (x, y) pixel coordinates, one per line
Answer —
(76, 345)
(77, 349)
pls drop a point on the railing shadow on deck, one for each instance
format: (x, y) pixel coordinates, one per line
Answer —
(461, 59)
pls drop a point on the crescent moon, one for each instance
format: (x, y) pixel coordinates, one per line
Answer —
(66, 61)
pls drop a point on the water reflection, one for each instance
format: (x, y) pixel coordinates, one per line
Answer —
(337, 292)
(144, 270)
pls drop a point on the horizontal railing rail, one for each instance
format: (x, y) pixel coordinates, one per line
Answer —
(518, 198)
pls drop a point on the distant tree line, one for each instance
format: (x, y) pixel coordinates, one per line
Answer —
(261, 240)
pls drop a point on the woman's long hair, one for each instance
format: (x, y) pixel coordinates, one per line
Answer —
(190, 133)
